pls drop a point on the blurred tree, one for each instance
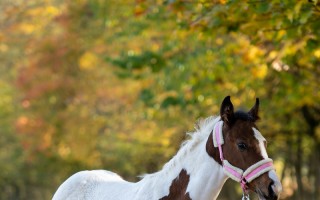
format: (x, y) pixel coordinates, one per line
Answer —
(276, 43)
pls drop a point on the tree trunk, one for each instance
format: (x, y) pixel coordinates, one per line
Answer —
(317, 172)
(298, 166)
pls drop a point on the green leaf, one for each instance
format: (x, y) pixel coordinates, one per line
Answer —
(170, 101)
(263, 7)
(147, 96)
(304, 17)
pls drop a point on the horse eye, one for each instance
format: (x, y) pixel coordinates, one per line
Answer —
(242, 146)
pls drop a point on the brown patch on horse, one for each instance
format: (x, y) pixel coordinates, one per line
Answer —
(211, 150)
(178, 187)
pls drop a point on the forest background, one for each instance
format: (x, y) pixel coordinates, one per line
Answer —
(116, 84)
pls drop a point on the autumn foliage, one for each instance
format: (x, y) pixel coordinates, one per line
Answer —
(117, 84)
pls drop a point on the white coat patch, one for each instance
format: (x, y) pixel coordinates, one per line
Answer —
(261, 141)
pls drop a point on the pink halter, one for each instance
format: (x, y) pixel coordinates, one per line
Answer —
(236, 173)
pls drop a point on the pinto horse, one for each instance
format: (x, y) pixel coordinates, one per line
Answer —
(227, 146)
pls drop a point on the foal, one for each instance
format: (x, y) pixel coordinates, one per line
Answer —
(228, 146)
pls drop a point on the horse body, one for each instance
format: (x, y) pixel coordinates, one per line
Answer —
(228, 146)
(205, 181)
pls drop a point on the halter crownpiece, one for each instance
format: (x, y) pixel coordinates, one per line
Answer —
(235, 173)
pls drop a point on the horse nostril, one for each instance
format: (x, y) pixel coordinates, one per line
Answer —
(271, 189)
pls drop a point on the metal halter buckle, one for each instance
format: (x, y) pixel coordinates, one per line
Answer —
(245, 196)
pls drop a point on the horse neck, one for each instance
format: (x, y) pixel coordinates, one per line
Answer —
(191, 174)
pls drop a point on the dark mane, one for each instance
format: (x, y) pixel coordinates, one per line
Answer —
(242, 115)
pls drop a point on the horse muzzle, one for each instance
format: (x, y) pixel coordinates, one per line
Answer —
(273, 192)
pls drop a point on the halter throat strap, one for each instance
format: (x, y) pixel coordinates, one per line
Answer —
(235, 173)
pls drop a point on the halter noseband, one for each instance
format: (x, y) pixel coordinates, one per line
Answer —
(235, 173)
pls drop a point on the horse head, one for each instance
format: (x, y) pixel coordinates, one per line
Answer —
(241, 149)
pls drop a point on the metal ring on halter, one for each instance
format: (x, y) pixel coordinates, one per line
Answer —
(245, 196)
(244, 186)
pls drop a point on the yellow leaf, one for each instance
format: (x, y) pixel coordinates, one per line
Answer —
(223, 1)
(281, 33)
(273, 55)
(219, 41)
(260, 71)
(290, 16)
(27, 28)
(3, 48)
(51, 10)
(317, 53)
(88, 61)
(254, 53)
(46, 11)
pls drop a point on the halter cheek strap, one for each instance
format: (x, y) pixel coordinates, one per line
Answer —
(235, 173)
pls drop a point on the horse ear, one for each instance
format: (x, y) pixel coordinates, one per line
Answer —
(255, 111)
(226, 111)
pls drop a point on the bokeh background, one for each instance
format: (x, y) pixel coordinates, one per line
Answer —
(116, 84)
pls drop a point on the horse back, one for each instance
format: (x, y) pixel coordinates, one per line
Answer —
(90, 185)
